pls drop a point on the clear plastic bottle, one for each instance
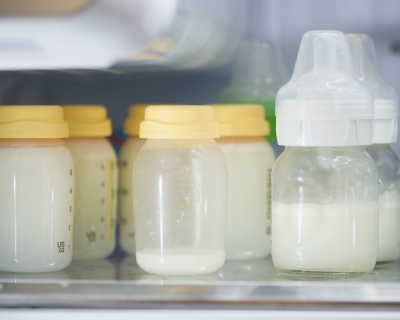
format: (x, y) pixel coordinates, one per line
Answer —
(249, 159)
(36, 190)
(128, 154)
(180, 192)
(258, 73)
(325, 185)
(96, 181)
(385, 132)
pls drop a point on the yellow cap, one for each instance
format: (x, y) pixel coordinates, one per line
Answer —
(135, 117)
(239, 120)
(179, 122)
(32, 122)
(87, 121)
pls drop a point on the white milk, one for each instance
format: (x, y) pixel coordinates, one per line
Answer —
(95, 200)
(328, 238)
(36, 205)
(248, 232)
(180, 261)
(128, 154)
(389, 227)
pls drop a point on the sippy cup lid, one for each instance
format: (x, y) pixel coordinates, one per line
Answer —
(135, 117)
(385, 97)
(179, 122)
(324, 103)
(32, 122)
(258, 73)
(87, 121)
(237, 120)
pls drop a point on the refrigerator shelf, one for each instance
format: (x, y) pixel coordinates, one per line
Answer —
(120, 283)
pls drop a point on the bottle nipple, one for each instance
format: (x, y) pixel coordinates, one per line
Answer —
(385, 97)
(324, 52)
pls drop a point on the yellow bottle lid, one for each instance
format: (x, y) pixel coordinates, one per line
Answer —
(241, 120)
(87, 121)
(32, 122)
(179, 122)
(135, 117)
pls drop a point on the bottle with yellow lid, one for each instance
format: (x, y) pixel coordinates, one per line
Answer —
(258, 73)
(36, 189)
(249, 158)
(180, 192)
(129, 152)
(96, 181)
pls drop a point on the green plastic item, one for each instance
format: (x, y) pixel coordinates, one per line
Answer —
(258, 74)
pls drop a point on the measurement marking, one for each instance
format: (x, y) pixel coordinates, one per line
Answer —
(61, 246)
(110, 200)
(91, 236)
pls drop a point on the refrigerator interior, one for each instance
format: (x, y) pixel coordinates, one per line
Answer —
(190, 73)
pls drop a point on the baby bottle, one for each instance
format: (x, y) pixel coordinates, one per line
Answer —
(259, 71)
(129, 151)
(324, 185)
(180, 192)
(385, 132)
(36, 190)
(249, 159)
(96, 181)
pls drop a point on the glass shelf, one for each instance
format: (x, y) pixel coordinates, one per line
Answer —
(120, 283)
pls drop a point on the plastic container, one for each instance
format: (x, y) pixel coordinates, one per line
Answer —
(96, 181)
(180, 192)
(325, 185)
(249, 159)
(258, 73)
(128, 154)
(36, 190)
(385, 132)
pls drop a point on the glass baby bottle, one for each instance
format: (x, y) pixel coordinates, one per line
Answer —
(180, 192)
(385, 132)
(36, 190)
(259, 71)
(128, 154)
(96, 181)
(324, 185)
(249, 158)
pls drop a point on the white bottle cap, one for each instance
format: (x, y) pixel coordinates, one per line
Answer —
(385, 98)
(324, 103)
